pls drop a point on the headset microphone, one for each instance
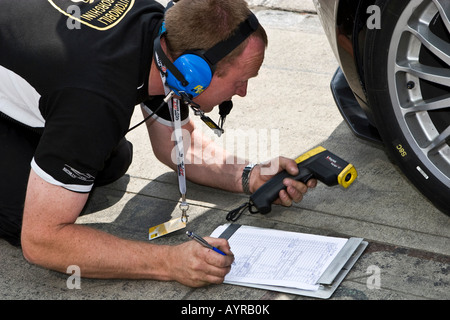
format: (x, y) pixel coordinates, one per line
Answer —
(224, 109)
(218, 130)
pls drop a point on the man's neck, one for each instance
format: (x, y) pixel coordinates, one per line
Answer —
(155, 85)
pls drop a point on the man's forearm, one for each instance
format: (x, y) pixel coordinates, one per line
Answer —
(209, 164)
(226, 177)
(99, 254)
(206, 162)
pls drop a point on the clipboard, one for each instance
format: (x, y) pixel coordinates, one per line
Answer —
(329, 280)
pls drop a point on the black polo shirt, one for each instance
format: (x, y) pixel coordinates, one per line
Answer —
(75, 68)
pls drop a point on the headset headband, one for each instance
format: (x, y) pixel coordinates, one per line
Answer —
(167, 63)
(224, 47)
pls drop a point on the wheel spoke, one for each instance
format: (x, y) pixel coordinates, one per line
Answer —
(436, 45)
(430, 105)
(432, 74)
(444, 9)
(439, 141)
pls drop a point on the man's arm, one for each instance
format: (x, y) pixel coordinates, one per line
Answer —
(210, 165)
(50, 238)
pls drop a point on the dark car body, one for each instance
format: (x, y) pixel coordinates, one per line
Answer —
(345, 24)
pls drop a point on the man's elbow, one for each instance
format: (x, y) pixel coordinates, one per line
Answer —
(32, 248)
(165, 158)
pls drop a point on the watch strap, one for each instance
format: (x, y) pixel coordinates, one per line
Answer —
(246, 177)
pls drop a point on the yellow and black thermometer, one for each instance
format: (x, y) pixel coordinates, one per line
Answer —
(317, 163)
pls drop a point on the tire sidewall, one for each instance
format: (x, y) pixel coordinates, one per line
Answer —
(376, 55)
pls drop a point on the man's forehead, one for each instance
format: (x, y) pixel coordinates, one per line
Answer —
(252, 56)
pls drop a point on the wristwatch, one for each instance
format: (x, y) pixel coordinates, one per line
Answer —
(246, 177)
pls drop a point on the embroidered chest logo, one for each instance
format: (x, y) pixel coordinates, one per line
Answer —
(96, 14)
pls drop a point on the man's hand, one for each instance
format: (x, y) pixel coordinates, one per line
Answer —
(294, 189)
(194, 265)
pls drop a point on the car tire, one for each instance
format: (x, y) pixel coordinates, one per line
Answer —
(411, 108)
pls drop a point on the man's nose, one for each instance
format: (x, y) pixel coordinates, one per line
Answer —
(242, 89)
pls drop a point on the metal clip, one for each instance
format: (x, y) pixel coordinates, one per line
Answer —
(184, 207)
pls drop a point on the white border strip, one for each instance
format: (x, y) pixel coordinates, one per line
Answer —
(48, 178)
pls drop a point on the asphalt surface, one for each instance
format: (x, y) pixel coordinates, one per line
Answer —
(290, 104)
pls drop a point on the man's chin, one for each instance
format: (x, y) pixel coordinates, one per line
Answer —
(207, 109)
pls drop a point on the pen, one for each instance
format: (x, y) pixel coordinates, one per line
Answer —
(203, 242)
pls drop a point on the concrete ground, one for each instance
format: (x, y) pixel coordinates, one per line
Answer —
(290, 104)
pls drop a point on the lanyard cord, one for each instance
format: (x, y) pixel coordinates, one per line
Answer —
(175, 111)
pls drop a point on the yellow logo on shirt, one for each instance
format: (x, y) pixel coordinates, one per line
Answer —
(96, 14)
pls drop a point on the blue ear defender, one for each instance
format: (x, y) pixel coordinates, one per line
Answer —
(196, 72)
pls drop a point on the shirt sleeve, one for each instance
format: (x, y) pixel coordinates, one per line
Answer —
(81, 130)
(163, 114)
